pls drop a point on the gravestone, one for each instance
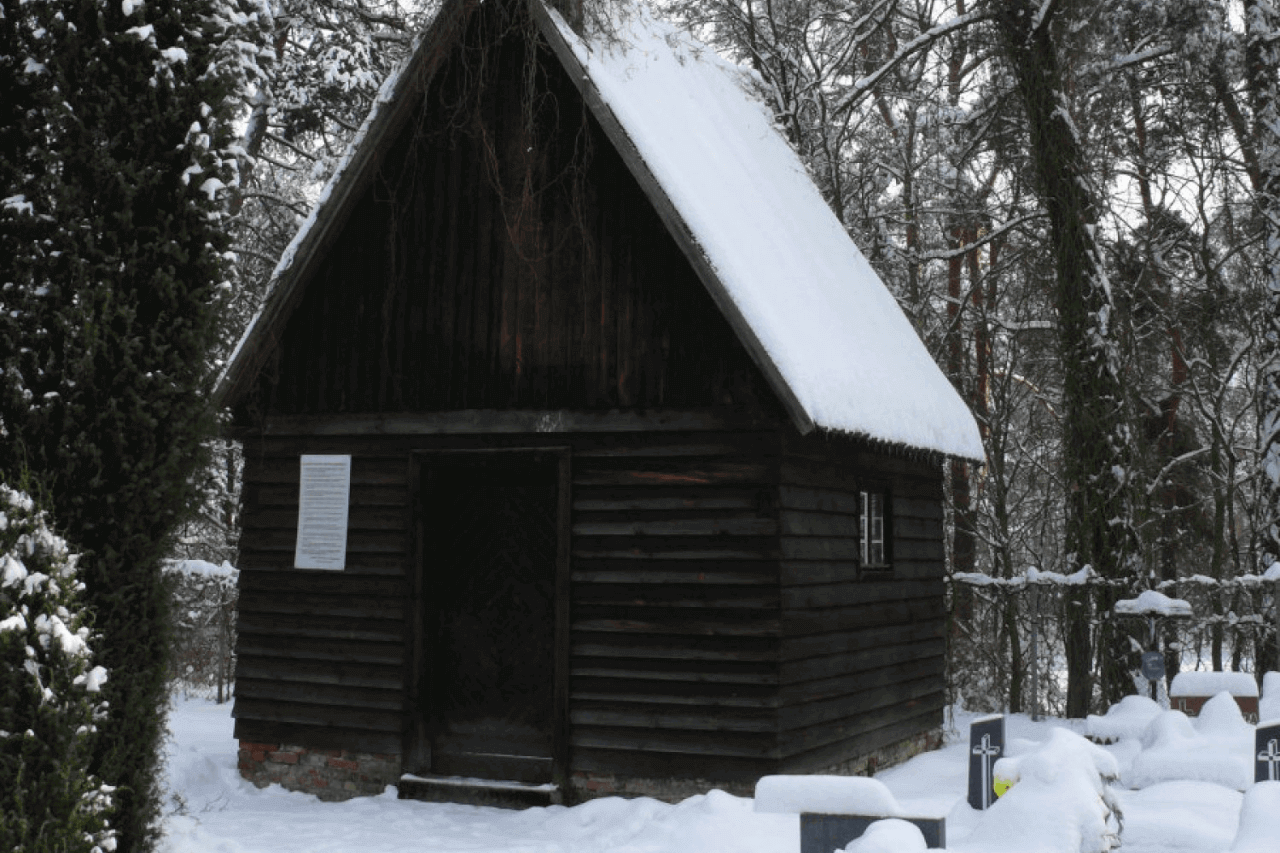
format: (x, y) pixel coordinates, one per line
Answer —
(986, 745)
(1266, 765)
(822, 833)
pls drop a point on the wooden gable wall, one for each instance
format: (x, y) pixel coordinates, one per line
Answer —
(487, 268)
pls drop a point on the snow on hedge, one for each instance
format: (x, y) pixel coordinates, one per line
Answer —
(49, 690)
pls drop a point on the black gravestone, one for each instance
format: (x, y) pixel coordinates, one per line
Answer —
(823, 833)
(986, 745)
(1266, 764)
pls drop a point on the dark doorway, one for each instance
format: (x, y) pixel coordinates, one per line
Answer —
(490, 548)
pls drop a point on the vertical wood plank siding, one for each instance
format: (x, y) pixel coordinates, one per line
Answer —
(674, 603)
(862, 659)
(477, 275)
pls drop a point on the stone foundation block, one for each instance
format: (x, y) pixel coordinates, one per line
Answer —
(329, 774)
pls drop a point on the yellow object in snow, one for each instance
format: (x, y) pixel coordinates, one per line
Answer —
(1001, 785)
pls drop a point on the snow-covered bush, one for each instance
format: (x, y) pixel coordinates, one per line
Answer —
(48, 693)
(1061, 800)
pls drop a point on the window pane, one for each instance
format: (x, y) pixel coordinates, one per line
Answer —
(862, 527)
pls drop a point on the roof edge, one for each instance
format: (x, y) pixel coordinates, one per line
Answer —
(549, 23)
(391, 108)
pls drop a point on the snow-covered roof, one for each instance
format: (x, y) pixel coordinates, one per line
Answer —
(835, 345)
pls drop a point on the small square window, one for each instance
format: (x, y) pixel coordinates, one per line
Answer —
(871, 530)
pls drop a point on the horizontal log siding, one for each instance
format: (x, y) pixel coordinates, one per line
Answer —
(320, 655)
(675, 606)
(862, 658)
(675, 617)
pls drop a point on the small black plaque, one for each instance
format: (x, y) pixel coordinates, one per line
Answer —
(1153, 666)
(986, 745)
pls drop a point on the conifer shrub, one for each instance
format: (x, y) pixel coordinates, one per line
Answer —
(49, 694)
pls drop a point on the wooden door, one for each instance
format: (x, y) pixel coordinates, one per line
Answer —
(490, 551)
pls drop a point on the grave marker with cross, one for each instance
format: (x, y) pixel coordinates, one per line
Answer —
(986, 745)
(1266, 766)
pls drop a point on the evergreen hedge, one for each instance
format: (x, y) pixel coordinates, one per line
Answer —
(113, 262)
(49, 694)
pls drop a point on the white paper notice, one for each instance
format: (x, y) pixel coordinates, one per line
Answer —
(323, 496)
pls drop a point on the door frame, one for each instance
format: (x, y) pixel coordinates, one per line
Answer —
(416, 751)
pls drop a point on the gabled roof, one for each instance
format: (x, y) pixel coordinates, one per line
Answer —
(816, 318)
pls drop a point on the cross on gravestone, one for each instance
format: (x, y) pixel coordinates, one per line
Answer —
(986, 744)
(1266, 766)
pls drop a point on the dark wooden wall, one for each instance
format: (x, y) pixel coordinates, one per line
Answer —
(490, 268)
(321, 655)
(675, 614)
(862, 658)
(718, 623)
(719, 628)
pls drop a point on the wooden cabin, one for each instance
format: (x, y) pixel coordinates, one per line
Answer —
(584, 453)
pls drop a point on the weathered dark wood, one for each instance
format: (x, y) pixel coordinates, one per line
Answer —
(675, 224)
(509, 289)
(506, 422)
(308, 714)
(362, 167)
(314, 648)
(812, 666)
(630, 686)
(684, 743)
(625, 762)
(838, 592)
(334, 606)
(824, 644)
(320, 626)
(719, 648)
(881, 730)
(851, 681)
(686, 527)
(318, 736)
(861, 617)
(320, 672)
(321, 583)
(387, 565)
(895, 693)
(320, 694)
(563, 626)
(722, 719)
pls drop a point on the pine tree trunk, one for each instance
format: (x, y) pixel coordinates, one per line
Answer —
(1093, 452)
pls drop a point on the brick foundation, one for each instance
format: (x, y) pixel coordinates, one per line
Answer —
(330, 774)
(340, 774)
(586, 786)
(887, 756)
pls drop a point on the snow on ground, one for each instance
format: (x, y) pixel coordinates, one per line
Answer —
(213, 810)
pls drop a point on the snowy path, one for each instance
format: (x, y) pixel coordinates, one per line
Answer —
(221, 813)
